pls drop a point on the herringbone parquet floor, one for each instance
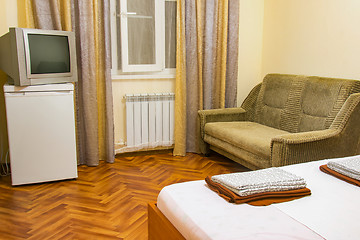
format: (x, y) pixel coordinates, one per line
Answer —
(105, 202)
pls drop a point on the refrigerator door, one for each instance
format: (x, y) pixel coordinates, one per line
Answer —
(41, 132)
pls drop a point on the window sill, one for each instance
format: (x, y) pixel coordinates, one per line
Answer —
(166, 74)
(126, 77)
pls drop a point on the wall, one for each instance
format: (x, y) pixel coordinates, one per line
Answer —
(8, 15)
(130, 86)
(250, 46)
(312, 37)
(8, 18)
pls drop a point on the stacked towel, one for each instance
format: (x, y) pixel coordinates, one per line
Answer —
(347, 166)
(268, 185)
(265, 180)
(347, 169)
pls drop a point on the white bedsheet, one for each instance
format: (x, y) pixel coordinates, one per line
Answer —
(331, 212)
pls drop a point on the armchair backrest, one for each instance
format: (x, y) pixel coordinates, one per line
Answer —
(297, 103)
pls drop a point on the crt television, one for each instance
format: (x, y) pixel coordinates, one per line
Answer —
(37, 56)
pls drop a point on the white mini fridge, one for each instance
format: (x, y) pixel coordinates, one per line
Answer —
(41, 132)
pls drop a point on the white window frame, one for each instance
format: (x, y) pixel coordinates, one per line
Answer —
(143, 71)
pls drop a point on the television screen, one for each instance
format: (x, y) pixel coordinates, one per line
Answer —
(48, 53)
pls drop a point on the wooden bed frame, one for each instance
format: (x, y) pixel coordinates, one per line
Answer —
(159, 227)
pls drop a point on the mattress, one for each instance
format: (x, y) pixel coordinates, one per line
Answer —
(331, 212)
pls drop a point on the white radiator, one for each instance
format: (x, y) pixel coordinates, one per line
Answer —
(149, 120)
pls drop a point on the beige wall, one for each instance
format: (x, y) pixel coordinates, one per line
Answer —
(312, 37)
(250, 46)
(8, 18)
(8, 15)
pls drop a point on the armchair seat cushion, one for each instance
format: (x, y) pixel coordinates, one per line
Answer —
(252, 136)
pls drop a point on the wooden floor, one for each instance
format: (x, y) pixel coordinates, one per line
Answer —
(105, 202)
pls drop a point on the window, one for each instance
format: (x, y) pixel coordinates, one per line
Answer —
(143, 38)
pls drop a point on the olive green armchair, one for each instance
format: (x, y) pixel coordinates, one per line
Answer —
(287, 119)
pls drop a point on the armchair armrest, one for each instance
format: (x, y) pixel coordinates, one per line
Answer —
(308, 146)
(340, 140)
(220, 115)
(305, 137)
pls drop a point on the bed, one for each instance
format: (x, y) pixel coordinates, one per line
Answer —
(191, 210)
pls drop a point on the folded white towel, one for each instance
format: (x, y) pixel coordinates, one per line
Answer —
(265, 180)
(348, 166)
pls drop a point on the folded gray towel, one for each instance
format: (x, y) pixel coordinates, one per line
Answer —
(265, 180)
(348, 166)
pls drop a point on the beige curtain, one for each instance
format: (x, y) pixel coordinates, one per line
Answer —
(206, 70)
(94, 110)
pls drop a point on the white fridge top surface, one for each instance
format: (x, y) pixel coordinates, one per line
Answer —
(39, 88)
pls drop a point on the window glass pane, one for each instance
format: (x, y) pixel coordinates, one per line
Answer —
(141, 31)
(140, 43)
(170, 34)
(141, 7)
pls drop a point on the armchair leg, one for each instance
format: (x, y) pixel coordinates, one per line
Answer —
(204, 148)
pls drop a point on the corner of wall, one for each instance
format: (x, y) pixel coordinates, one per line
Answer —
(251, 26)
